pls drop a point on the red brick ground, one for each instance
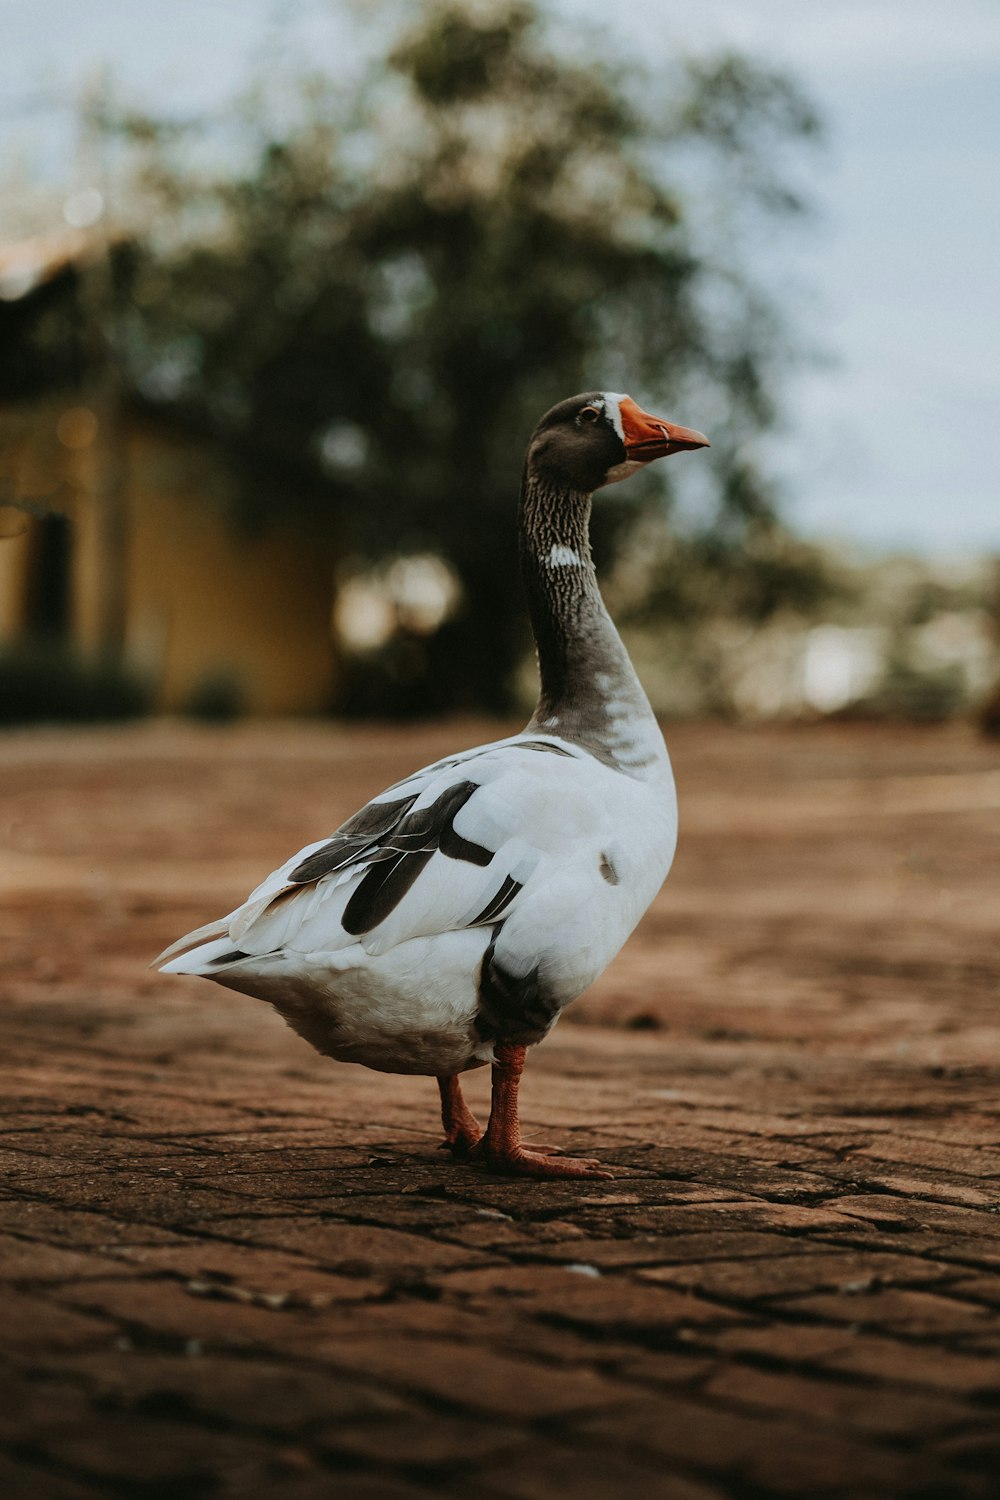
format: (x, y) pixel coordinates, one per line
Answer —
(232, 1268)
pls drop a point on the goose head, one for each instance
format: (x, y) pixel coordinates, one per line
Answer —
(601, 437)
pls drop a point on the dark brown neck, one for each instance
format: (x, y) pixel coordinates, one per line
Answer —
(589, 688)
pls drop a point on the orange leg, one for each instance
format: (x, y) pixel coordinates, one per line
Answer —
(502, 1149)
(461, 1128)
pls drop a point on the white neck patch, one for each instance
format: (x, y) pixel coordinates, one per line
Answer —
(622, 471)
(614, 411)
(564, 557)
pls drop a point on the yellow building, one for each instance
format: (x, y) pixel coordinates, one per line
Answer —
(117, 538)
(204, 610)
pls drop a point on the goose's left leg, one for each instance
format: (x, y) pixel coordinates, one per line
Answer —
(461, 1128)
(502, 1148)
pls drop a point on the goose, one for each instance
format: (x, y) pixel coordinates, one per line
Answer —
(447, 924)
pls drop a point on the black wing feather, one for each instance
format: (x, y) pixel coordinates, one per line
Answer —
(397, 856)
(353, 840)
(499, 903)
(380, 891)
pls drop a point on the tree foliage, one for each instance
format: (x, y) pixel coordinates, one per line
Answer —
(368, 319)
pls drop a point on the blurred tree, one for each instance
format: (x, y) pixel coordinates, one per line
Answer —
(371, 317)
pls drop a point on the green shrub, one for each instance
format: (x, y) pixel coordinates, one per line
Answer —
(217, 699)
(52, 684)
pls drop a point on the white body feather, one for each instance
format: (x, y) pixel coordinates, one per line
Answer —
(587, 844)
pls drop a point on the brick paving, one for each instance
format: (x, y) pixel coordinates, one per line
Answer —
(232, 1268)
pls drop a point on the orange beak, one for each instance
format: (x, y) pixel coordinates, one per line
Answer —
(649, 437)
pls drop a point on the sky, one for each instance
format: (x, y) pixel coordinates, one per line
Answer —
(893, 433)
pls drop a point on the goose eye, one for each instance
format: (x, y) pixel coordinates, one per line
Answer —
(589, 414)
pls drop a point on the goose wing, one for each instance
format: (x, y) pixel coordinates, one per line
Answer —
(454, 846)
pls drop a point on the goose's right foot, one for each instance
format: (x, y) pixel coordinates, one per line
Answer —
(501, 1148)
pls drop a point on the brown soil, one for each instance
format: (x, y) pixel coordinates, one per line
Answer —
(232, 1268)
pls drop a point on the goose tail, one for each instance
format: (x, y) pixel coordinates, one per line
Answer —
(190, 952)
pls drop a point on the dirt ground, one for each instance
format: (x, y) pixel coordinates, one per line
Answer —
(233, 1268)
